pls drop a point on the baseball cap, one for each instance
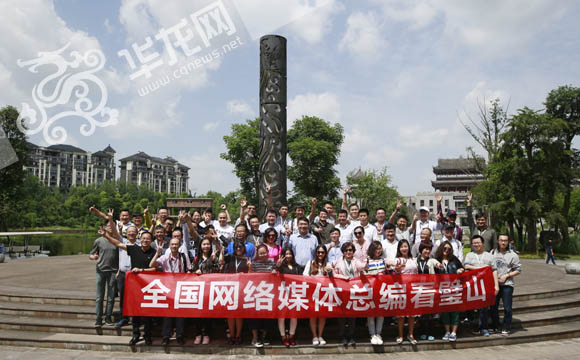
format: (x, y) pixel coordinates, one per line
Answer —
(451, 213)
(424, 208)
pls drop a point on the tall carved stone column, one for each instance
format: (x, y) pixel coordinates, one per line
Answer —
(272, 171)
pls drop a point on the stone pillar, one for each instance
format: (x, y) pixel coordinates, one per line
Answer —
(272, 171)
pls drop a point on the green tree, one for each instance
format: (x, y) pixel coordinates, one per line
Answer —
(487, 129)
(314, 148)
(373, 189)
(12, 176)
(243, 150)
(519, 185)
(564, 103)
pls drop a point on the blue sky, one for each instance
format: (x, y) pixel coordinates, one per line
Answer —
(398, 75)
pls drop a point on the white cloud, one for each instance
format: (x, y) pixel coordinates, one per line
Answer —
(364, 37)
(417, 136)
(418, 13)
(494, 28)
(210, 126)
(108, 27)
(216, 173)
(309, 20)
(239, 107)
(325, 106)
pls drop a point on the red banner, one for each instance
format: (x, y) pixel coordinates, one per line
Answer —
(295, 296)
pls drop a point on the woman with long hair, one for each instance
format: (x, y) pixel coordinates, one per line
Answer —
(376, 266)
(318, 266)
(450, 264)
(237, 263)
(405, 264)
(206, 262)
(287, 265)
(348, 267)
(260, 326)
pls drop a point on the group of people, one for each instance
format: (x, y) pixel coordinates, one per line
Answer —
(323, 244)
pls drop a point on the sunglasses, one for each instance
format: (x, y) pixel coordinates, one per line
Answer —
(349, 250)
(320, 252)
(358, 233)
(446, 249)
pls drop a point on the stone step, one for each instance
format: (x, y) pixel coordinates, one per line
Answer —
(546, 304)
(47, 310)
(86, 326)
(118, 343)
(59, 325)
(54, 300)
(542, 318)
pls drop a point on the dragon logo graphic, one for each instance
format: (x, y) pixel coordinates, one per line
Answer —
(71, 83)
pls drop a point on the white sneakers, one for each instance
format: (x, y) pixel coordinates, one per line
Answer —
(376, 340)
(318, 341)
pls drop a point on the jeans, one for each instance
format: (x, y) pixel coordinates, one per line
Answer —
(375, 325)
(105, 279)
(168, 324)
(121, 289)
(483, 317)
(550, 257)
(505, 294)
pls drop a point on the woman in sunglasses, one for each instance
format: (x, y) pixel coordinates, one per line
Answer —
(405, 264)
(287, 265)
(237, 263)
(348, 267)
(361, 245)
(274, 250)
(450, 264)
(319, 266)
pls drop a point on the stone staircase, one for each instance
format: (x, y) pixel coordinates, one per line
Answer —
(60, 320)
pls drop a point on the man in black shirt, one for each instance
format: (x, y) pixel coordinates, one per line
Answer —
(140, 258)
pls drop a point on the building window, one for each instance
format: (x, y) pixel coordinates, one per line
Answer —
(430, 202)
(447, 203)
(422, 202)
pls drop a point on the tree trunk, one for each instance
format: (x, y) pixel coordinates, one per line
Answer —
(532, 236)
(567, 193)
(512, 232)
(520, 229)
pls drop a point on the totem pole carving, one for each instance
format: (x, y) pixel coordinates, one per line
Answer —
(272, 172)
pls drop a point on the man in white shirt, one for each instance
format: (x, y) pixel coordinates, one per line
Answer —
(423, 223)
(271, 223)
(371, 233)
(222, 227)
(390, 242)
(345, 229)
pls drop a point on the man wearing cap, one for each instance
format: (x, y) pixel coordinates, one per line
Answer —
(424, 222)
(480, 227)
(448, 236)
